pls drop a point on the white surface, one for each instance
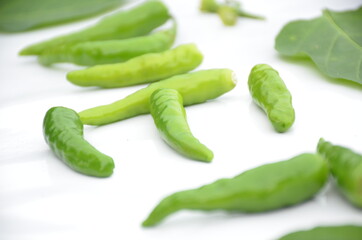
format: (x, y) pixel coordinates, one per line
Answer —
(41, 198)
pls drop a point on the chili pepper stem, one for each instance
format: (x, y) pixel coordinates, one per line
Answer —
(249, 15)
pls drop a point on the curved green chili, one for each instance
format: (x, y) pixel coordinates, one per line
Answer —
(166, 106)
(270, 93)
(264, 188)
(346, 167)
(347, 232)
(63, 131)
(137, 21)
(196, 87)
(110, 51)
(147, 68)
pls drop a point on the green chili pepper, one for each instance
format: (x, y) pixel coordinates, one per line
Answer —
(209, 6)
(110, 51)
(63, 131)
(270, 93)
(167, 110)
(212, 6)
(264, 188)
(346, 167)
(135, 22)
(347, 232)
(228, 15)
(196, 87)
(143, 69)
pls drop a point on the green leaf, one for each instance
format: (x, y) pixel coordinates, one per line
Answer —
(333, 42)
(22, 15)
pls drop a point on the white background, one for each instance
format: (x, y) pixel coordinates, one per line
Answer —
(41, 198)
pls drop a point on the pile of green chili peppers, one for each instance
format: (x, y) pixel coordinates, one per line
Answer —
(134, 58)
(121, 52)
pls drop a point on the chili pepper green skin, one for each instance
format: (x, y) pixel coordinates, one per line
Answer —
(63, 131)
(268, 187)
(147, 68)
(196, 87)
(169, 115)
(137, 21)
(228, 15)
(346, 167)
(347, 232)
(209, 6)
(110, 51)
(270, 93)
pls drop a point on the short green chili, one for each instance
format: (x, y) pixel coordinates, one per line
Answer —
(228, 15)
(135, 22)
(169, 115)
(270, 93)
(346, 167)
(110, 51)
(63, 131)
(196, 87)
(347, 232)
(147, 68)
(264, 188)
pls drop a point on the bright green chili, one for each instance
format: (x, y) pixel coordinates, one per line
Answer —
(135, 22)
(143, 69)
(270, 93)
(169, 115)
(110, 51)
(228, 15)
(264, 188)
(347, 232)
(63, 131)
(196, 87)
(346, 167)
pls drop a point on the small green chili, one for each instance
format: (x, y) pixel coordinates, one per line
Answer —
(196, 87)
(228, 15)
(170, 118)
(135, 22)
(264, 188)
(147, 68)
(346, 167)
(270, 93)
(110, 51)
(63, 131)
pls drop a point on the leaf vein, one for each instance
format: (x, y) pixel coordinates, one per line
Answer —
(302, 41)
(359, 65)
(329, 52)
(329, 17)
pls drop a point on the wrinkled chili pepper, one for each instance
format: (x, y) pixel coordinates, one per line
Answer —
(270, 93)
(63, 131)
(346, 167)
(169, 115)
